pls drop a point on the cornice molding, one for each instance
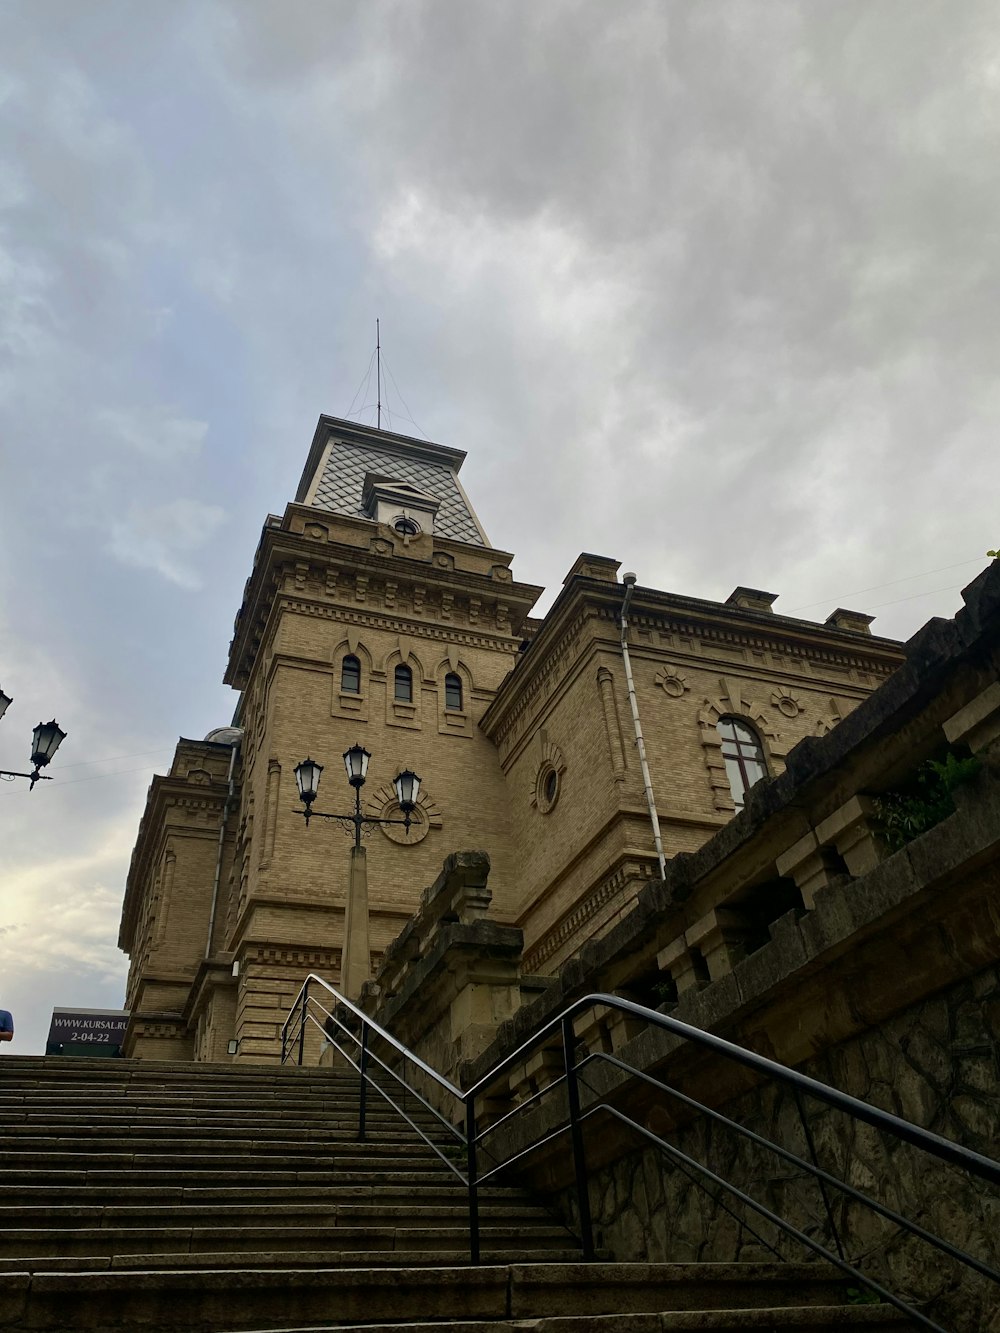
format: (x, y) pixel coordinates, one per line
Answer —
(166, 792)
(585, 909)
(504, 725)
(355, 581)
(589, 599)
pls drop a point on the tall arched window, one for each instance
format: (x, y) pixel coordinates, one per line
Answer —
(350, 676)
(743, 755)
(404, 685)
(453, 691)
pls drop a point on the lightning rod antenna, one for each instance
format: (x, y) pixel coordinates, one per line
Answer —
(378, 372)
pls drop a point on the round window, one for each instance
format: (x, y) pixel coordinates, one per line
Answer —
(407, 527)
(547, 788)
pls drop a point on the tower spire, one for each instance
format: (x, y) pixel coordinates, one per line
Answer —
(378, 372)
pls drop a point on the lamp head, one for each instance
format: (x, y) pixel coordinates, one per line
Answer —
(307, 780)
(356, 762)
(46, 739)
(407, 786)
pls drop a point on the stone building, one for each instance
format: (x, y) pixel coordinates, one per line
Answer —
(377, 611)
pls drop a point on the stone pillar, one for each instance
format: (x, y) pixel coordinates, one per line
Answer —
(355, 967)
(678, 960)
(806, 863)
(853, 830)
(978, 723)
(719, 935)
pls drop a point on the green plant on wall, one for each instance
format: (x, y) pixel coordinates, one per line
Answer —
(903, 815)
(862, 1296)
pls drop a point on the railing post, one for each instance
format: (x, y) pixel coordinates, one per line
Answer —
(284, 1039)
(470, 1146)
(362, 1091)
(822, 1184)
(302, 1020)
(576, 1135)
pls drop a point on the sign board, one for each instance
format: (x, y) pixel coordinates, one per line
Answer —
(90, 1027)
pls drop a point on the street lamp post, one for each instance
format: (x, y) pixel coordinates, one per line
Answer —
(355, 964)
(406, 784)
(46, 739)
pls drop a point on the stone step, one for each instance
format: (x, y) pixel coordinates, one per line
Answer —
(179, 1130)
(166, 1301)
(252, 1193)
(329, 1095)
(551, 1248)
(280, 1159)
(800, 1319)
(132, 1108)
(13, 1179)
(43, 1068)
(193, 1145)
(23, 1245)
(196, 1093)
(328, 1212)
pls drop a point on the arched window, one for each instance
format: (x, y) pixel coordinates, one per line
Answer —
(350, 676)
(404, 685)
(743, 755)
(453, 691)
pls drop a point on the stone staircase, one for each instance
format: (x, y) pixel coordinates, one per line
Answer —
(217, 1198)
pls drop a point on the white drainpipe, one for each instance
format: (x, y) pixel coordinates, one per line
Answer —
(629, 581)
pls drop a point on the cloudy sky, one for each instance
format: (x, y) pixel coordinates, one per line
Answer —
(708, 287)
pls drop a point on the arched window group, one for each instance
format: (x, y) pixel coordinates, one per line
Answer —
(743, 755)
(350, 683)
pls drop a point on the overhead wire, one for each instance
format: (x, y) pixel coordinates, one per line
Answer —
(914, 595)
(113, 758)
(403, 400)
(363, 390)
(73, 782)
(363, 386)
(924, 573)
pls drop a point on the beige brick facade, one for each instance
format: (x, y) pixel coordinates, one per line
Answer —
(538, 766)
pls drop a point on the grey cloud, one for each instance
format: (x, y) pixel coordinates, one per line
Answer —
(799, 198)
(165, 537)
(158, 434)
(710, 288)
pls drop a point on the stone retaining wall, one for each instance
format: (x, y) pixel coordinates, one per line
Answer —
(937, 1064)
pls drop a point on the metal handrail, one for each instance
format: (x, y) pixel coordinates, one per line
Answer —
(473, 1137)
(975, 1162)
(345, 1003)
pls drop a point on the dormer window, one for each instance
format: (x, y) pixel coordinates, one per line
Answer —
(401, 506)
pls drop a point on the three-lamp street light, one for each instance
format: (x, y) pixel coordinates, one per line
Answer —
(46, 739)
(406, 785)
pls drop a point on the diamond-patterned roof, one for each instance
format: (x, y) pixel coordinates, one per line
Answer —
(339, 488)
